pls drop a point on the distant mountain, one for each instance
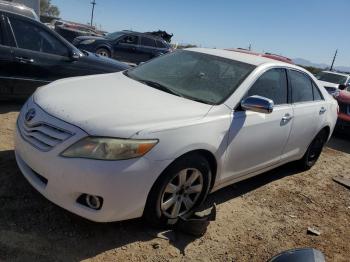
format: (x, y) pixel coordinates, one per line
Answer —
(304, 62)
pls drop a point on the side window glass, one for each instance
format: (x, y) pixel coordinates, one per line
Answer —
(301, 87)
(145, 41)
(317, 94)
(32, 37)
(130, 39)
(1, 33)
(160, 44)
(272, 85)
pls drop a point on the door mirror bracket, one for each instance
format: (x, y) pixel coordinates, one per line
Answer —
(258, 104)
(74, 56)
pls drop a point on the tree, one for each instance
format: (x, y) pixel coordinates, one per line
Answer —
(46, 8)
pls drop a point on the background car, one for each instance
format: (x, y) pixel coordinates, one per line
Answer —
(125, 46)
(343, 123)
(334, 81)
(32, 55)
(154, 140)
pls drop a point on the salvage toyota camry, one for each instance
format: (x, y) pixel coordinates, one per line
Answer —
(154, 140)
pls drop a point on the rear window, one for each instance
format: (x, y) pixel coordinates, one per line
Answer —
(145, 41)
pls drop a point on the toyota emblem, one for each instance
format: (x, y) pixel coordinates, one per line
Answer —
(30, 114)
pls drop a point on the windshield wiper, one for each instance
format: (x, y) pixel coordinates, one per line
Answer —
(160, 87)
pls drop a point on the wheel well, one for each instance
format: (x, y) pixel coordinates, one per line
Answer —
(211, 160)
(104, 47)
(327, 129)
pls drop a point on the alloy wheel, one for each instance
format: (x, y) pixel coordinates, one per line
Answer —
(181, 193)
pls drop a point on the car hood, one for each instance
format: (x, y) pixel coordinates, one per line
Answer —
(328, 84)
(102, 64)
(115, 105)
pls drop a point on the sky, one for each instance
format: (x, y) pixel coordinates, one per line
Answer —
(309, 29)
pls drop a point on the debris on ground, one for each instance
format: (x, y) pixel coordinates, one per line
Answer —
(313, 231)
(343, 181)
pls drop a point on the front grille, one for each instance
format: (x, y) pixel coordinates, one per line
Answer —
(344, 108)
(43, 136)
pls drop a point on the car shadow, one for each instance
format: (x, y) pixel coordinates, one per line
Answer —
(32, 228)
(340, 142)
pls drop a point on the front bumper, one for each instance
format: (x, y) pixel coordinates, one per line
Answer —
(123, 185)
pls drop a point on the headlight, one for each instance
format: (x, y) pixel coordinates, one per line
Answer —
(87, 42)
(109, 148)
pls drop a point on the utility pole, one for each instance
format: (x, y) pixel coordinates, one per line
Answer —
(92, 11)
(335, 55)
(250, 47)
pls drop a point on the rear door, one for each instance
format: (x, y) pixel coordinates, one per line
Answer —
(309, 108)
(40, 57)
(126, 50)
(147, 48)
(7, 66)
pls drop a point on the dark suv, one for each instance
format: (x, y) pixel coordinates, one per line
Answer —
(125, 46)
(32, 55)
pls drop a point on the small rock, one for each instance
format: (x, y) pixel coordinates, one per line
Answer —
(292, 216)
(155, 245)
(124, 247)
(313, 231)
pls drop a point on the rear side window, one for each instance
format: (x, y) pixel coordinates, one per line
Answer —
(129, 39)
(317, 94)
(302, 89)
(272, 85)
(1, 34)
(161, 45)
(32, 37)
(145, 41)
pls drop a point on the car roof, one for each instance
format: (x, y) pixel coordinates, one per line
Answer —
(19, 9)
(143, 34)
(244, 57)
(336, 73)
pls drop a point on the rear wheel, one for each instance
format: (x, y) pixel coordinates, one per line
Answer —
(103, 52)
(181, 188)
(314, 150)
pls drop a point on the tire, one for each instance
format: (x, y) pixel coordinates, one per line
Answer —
(314, 150)
(169, 189)
(103, 52)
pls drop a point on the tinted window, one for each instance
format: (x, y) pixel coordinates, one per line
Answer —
(160, 44)
(332, 78)
(0, 34)
(130, 39)
(272, 85)
(193, 75)
(148, 42)
(317, 94)
(301, 87)
(32, 37)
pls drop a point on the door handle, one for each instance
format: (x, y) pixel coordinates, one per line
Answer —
(25, 60)
(287, 117)
(322, 110)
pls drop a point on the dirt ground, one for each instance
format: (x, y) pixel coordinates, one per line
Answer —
(256, 218)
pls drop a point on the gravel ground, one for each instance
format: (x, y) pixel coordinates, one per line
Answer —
(256, 218)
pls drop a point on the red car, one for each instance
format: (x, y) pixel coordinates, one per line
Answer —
(267, 55)
(343, 98)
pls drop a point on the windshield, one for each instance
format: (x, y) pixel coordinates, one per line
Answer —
(114, 35)
(332, 78)
(197, 76)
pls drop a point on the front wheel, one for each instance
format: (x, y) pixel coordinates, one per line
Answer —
(181, 188)
(314, 151)
(103, 52)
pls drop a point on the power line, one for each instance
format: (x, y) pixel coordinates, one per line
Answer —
(92, 11)
(335, 55)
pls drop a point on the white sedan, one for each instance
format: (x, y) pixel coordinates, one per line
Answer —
(154, 140)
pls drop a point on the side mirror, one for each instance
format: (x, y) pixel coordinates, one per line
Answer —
(258, 104)
(74, 56)
(342, 87)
